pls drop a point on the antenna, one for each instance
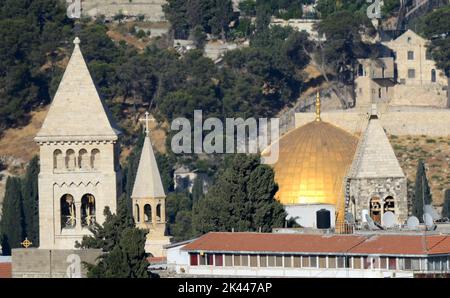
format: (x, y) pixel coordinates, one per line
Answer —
(430, 210)
(412, 223)
(388, 219)
(429, 222)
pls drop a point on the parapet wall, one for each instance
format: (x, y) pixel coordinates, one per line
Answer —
(396, 121)
(46, 263)
(150, 9)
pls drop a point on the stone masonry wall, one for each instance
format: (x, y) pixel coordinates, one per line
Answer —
(45, 263)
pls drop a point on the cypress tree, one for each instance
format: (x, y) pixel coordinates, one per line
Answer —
(422, 194)
(31, 201)
(11, 226)
(446, 208)
(197, 189)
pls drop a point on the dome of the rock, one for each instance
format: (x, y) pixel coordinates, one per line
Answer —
(313, 161)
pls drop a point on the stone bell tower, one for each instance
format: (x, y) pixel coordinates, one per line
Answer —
(149, 199)
(79, 171)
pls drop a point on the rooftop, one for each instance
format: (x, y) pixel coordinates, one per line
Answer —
(380, 244)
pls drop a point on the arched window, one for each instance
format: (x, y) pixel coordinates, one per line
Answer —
(158, 212)
(137, 216)
(95, 157)
(433, 75)
(58, 162)
(360, 70)
(147, 213)
(87, 210)
(68, 212)
(83, 162)
(70, 159)
(375, 209)
(389, 204)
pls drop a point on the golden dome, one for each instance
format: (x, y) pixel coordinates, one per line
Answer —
(313, 161)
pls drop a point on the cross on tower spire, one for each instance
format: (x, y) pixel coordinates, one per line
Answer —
(147, 119)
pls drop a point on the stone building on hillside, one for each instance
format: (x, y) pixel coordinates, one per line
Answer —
(409, 78)
(151, 10)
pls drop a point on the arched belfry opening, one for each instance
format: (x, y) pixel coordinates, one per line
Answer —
(95, 158)
(58, 161)
(389, 204)
(68, 212)
(83, 160)
(70, 159)
(87, 210)
(375, 209)
(137, 213)
(147, 213)
(158, 212)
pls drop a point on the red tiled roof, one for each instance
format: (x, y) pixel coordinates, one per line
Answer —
(5, 270)
(318, 243)
(153, 260)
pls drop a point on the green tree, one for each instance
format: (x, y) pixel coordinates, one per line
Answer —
(434, 26)
(123, 245)
(446, 208)
(12, 222)
(422, 194)
(241, 199)
(31, 201)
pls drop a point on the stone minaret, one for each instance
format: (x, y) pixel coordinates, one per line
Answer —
(376, 180)
(79, 159)
(149, 199)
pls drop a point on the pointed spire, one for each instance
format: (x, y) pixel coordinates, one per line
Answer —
(375, 157)
(77, 112)
(318, 106)
(148, 182)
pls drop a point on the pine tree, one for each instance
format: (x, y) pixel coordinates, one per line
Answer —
(11, 226)
(242, 199)
(123, 246)
(31, 201)
(422, 194)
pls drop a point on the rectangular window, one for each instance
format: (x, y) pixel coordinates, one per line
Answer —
(279, 261)
(237, 260)
(271, 260)
(305, 262)
(392, 263)
(415, 264)
(383, 262)
(341, 262)
(253, 261)
(244, 260)
(263, 260)
(356, 262)
(194, 259)
(210, 259)
(228, 260)
(411, 73)
(218, 260)
(407, 264)
(322, 262)
(287, 261)
(297, 261)
(313, 261)
(410, 55)
(331, 262)
(367, 262)
(202, 259)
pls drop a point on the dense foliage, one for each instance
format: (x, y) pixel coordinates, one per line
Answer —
(30, 33)
(435, 26)
(20, 217)
(123, 246)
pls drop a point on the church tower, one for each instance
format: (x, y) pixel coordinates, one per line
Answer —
(149, 199)
(79, 171)
(376, 182)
